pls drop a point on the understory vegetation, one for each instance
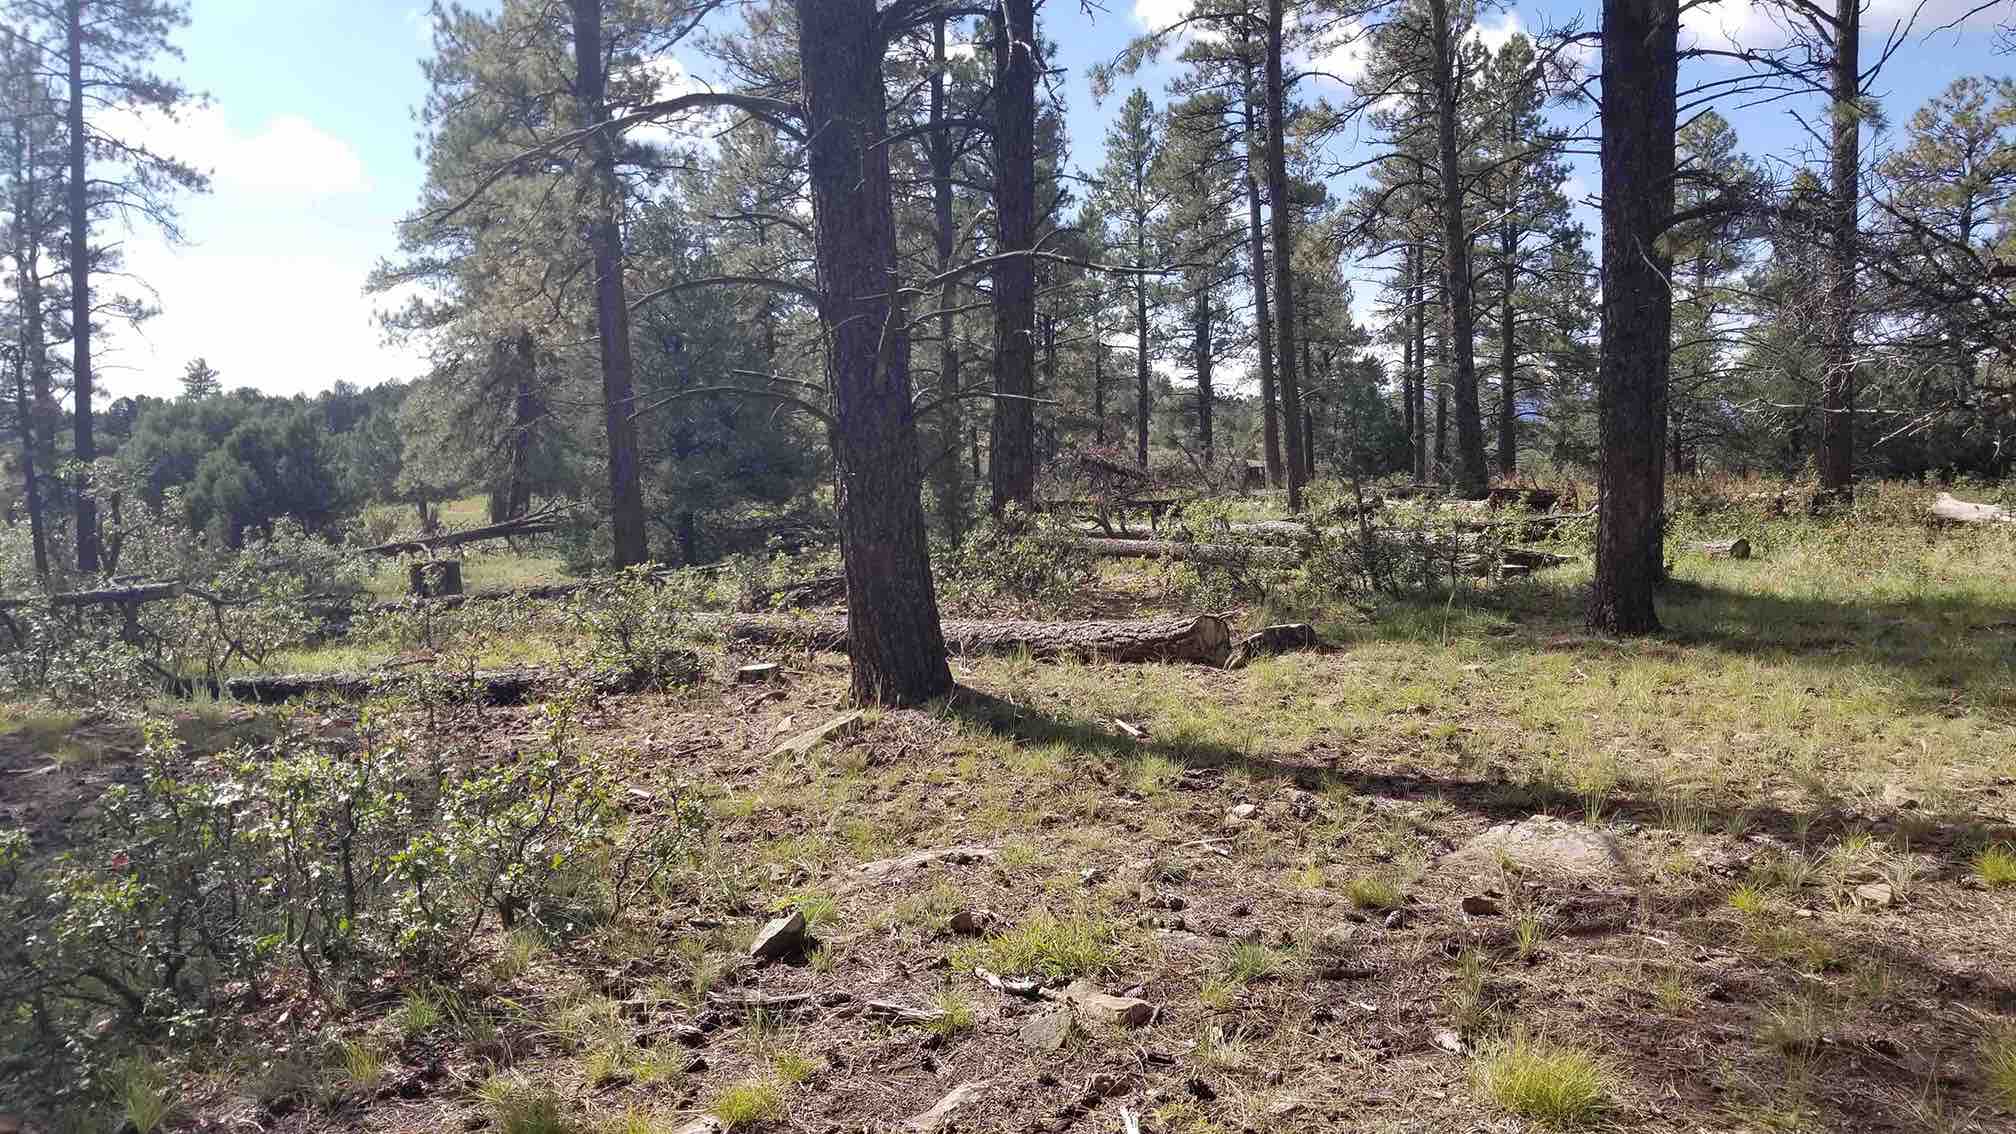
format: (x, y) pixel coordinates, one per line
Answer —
(425, 911)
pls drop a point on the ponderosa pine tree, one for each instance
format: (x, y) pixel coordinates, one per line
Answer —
(1130, 200)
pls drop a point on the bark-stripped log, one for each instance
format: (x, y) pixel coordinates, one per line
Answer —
(1216, 553)
(1193, 638)
(1953, 511)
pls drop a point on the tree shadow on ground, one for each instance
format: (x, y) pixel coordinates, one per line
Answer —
(1879, 1063)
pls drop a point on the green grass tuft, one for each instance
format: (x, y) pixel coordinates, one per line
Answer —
(1045, 945)
(1551, 1083)
(748, 1103)
(1997, 865)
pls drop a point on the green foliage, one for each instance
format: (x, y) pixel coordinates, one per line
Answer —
(1045, 945)
(1557, 1085)
(201, 877)
(1008, 565)
(636, 626)
(751, 1102)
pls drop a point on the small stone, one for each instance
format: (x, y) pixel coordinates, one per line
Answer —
(1242, 812)
(1448, 1041)
(1396, 919)
(1123, 1010)
(1173, 902)
(781, 937)
(938, 1116)
(705, 1124)
(1477, 905)
(1104, 1086)
(1092, 875)
(1903, 797)
(1275, 1077)
(1201, 1090)
(1047, 1031)
(1875, 894)
(972, 923)
(1241, 909)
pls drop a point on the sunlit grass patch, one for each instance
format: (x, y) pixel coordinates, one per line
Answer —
(1045, 945)
(1537, 1079)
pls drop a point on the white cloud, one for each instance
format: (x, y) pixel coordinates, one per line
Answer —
(283, 322)
(1724, 25)
(1338, 53)
(1496, 37)
(286, 155)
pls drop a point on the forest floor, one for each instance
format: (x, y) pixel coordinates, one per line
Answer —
(1770, 884)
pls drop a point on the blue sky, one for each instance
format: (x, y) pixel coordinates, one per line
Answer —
(311, 140)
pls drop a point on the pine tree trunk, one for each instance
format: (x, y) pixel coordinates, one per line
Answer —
(1263, 323)
(612, 307)
(951, 487)
(1473, 477)
(84, 447)
(895, 643)
(1837, 425)
(1203, 349)
(1508, 357)
(524, 419)
(1012, 459)
(1442, 401)
(31, 365)
(1281, 215)
(1142, 392)
(1641, 67)
(1407, 355)
(1419, 306)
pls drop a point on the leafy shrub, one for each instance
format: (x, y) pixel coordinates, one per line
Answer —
(1011, 564)
(636, 626)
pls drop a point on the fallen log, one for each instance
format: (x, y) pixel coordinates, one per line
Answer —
(1954, 511)
(106, 596)
(1204, 638)
(1215, 553)
(1271, 640)
(538, 523)
(1738, 548)
(489, 687)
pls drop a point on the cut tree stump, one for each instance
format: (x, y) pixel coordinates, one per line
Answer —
(436, 578)
(757, 673)
(1272, 640)
(1738, 548)
(1954, 511)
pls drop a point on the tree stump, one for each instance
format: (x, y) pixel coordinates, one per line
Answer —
(1738, 548)
(435, 578)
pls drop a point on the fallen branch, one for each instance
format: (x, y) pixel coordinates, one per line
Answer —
(1953, 511)
(537, 523)
(108, 596)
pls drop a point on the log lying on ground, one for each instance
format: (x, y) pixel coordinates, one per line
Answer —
(1953, 511)
(1738, 548)
(107, 596)
(1215, 553)
(1204, 638)
(1271, 640)
(484, 686)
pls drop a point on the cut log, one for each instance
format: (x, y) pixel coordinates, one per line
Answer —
(824, 591)
(1220, 554)
(1272, 640)
(489, 687)
(1191, 638)
(1954, 511)
(108, 596)
(1532, 499)
(434, 578)
(1738, 548)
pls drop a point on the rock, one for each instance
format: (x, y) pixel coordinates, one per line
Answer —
(1092, 876)
(1105, 1086)
(939, 1115)
(1477, 905)
(781, 937)
(705, 1124)
(1301, 805)
(1123, 1010)
(916, 860)
(1543, 845)
(1903, 797)
(1048, 1031)
(800, 746)
(1396, 919)
(1875, 894)
(972, 923)
(1200, 1090)
(1241, 813)
(1448, 1041)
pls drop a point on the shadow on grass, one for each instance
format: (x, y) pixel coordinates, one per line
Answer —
(1952, 838)
(1950, 653)
(1868, 1072)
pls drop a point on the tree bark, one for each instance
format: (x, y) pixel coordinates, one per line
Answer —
(1012, 459)
(1419, 306)
(896, 646)
(1263, 324)
(1142, 391)
(1202, 346)
(950, 484)
(84, 447)
(31, 366)
(1837, 427)
(1641, 67)
(1280, 214)
(525, 415)
(1407, 357)
(1508, 355)
(1472, 475)
(612, 308)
